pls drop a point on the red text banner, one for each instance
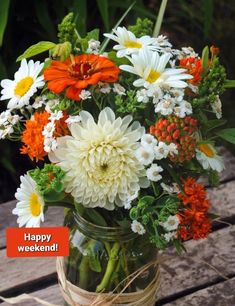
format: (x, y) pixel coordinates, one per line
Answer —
(37, 242)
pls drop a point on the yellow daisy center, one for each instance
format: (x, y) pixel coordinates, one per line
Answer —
(153, 76)
(35, 205)
(206, 149)
(132, 44)
(23, 86)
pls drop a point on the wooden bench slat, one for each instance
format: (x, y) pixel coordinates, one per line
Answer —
(50, 294)
(190, 270)
(221, 294)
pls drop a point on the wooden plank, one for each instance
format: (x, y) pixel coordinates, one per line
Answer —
(222, 199)
(53, 217)
(192, 269)
(19, 271)
(222, 294)
(50, 294)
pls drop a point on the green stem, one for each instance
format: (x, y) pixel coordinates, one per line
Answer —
(83, 272)
(159, 18)
(110, 267)
(60, 204)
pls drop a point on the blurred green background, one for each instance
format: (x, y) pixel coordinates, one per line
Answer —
(186, 23)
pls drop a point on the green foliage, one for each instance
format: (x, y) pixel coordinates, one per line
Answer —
(229, 84)
(205, 60)
(4, 8)
(213, 178)
(212, 85)
(36, 49)
(128, 103)
(142, 27)
(67, 30)
(62, 51)
(151, 211)
(104, 12)
(48, 179)
(227, 134)
(94, 34)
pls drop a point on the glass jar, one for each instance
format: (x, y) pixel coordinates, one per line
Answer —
(101, 258)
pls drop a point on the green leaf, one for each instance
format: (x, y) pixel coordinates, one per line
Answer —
(94, 34)
(54, 196)
(95, 217)
(179, 246)
(205, 59)
(117, 60)
(227, 134)
(229, 84)
(38, 48)
(4, 10)
(208, 9)
(213, 216)
(80, 10)
(94, 262)
(47, 23)
(212, 124)
(147, 200)
(104, 12)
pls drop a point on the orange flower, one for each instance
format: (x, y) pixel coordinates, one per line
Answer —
(32, 136)
(194, 67)
(78, 72)
(194, 222)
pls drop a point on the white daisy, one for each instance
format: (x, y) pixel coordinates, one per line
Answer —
(171, 223)
(99, 160)
(29, 207)
(153, 173)
(25, 84)
(208, 158)
(129, 44)
(137, 227)
(145, 154)
(151, 67)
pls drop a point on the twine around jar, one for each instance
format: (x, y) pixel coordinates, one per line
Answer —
(76, 296)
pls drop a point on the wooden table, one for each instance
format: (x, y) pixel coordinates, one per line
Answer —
(188, 280)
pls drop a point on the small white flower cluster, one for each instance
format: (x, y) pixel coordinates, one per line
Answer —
(167, 101)
(85, 94)
(130, 198)
(7, 121)
(50, 143)
(187, 52)
(137, 227)
(93, 46)
(39, 102)
(170, 189)
(50, 104)
(217, 107)
(105, 88)
(150, 149)
(170, 225)
(73, 119)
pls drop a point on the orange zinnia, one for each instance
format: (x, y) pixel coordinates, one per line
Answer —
(78, 72)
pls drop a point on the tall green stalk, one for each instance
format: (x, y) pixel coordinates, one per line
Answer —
(159, 20)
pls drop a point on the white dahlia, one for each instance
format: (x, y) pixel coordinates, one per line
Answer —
(99, 159)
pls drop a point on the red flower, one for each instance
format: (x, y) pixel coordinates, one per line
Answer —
(78, 72)
(194, 67)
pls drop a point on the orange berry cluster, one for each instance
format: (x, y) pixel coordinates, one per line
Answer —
(180, 131)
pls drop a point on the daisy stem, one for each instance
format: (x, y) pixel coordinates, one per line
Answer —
(160, 16)
(113, 258)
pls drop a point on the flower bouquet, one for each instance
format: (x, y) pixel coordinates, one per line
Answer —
(120, 136)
